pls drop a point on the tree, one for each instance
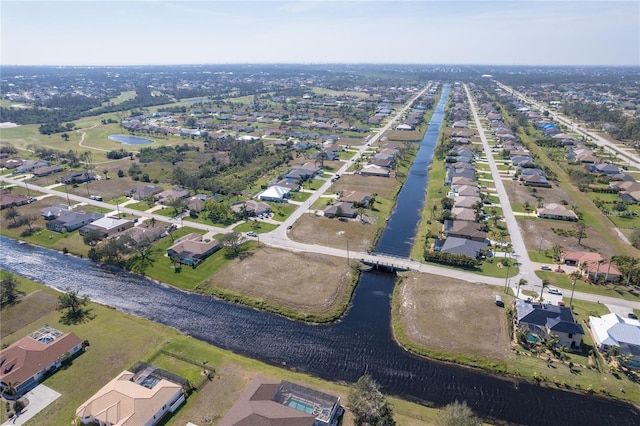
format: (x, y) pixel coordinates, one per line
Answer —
(231, 241)
(368, 405)
(580, 232)
(12, 214)
(92, 237)
(458, 414)
(8, 290)
(120, 173)
(72, 305)
(627, 265)
(634, 239)
(65, 136)
(545, 283)
(105, 172)
(477, 209)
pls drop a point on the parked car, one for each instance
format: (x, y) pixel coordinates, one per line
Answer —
(632, 315)
(251, 234)
(289, 227)
(545, 268)
(553, 290)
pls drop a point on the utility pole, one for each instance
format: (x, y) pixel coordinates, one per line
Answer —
(573, 288)
(348, 252)
(506, 277)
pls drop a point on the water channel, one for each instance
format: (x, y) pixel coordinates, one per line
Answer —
(361, 342)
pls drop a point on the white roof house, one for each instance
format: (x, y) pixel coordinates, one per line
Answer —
(612, 330)
(275, 193)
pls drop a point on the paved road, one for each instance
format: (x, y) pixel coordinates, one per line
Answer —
(526, 267)
(632, 158)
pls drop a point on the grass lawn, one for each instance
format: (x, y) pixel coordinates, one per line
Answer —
(300, 196)
(611, 290)
(281, 211)
(540, 257)
(185, 277)
(248, 226)
(140, 205)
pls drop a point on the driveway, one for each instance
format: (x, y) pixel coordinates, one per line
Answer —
(39, 398)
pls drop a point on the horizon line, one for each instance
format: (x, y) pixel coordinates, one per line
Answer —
(195, 64)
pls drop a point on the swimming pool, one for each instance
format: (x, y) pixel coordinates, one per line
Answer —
(296, 404)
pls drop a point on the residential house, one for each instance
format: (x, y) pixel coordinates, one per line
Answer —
(251, 208)
(602, 168)
(276, 194)
(356, 197)
(77, 177)
(630, 196)
(132, 399)
(454, 172)
(8, 199)
(592, 265)
(192, 249)
(464, 191)
(556, 211)
(468, 202)
(468, 247)
(168, 196)
(52, 212)
(28, 360)
(543, 319)
(613, 331)
(108, 226)
(341, 209)
(145, 233)
(464, 229)
(462, 124)
(46, 170)
(373, 170)
(460, 180)
(283, 404)
(535, 180)
(196, 204)
(72, 220)
(143, 192)
(463, 213)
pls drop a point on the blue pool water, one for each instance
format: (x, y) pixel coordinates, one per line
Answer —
(300, 406)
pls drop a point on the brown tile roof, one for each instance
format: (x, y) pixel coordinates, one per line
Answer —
(27, 357)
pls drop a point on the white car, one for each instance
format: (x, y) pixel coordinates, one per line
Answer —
(553, 290)
(545, 268)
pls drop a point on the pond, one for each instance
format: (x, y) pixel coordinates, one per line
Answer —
(131, 140)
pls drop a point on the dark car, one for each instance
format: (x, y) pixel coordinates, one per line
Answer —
(632, 315)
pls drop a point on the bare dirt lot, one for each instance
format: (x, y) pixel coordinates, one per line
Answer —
(446, 315)
(333, 233)
(309, 283)
(519, 193)
(384, 187)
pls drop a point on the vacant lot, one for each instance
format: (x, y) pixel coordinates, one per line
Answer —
(384, 187)
(536, 229)
(320, 230)
(436, 314)
(303, 283)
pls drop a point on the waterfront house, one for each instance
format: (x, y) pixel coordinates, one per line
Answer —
(276, 194)
(28, 360)
(72, 220)
(142, 397)
(543, 319)
(613, 331)
(192, 249)
(283, 404)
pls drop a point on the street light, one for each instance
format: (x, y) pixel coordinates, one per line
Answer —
(348, 252)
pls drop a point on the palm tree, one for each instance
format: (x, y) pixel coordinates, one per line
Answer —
(545, 283)
(600, 262)
(575, 275)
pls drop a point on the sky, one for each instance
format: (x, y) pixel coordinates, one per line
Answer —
(149, 32)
